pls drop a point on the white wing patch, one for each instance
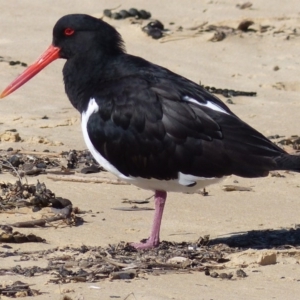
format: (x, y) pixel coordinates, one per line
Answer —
(93, 108)
(209, 104)
(185, 183)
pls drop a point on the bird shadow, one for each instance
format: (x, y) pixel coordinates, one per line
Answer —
(283, 238)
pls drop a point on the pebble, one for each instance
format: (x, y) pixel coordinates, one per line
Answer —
(133, 12)
(214, 274)
(154, 29)
(145, 14)
(107, 13)
(155, 33)
(116, 16)
(225, 276)
(15, 160)
(241, 273)
(41, 166)
(156, 24)
(124, 14)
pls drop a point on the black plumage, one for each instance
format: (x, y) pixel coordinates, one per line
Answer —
(148, 124)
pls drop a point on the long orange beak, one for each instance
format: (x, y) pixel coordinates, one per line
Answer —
(45, 59)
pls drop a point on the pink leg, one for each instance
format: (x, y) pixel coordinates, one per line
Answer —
(153, 241)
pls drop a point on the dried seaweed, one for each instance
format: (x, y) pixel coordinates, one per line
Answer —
(123, 262)
(31, 163)
(18, 289)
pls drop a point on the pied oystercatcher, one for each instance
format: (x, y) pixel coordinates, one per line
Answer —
(147, 125)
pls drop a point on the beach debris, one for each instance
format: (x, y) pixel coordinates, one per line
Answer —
(16, 195)
(225, 275)
(18, 289)
(10, 136)
(218, 36)
(122, 262)
(244, 25)
(154, 29)
(227, 92)
(12, 62)
(118, 261)
(244, 5)
(87, 179)
(231, 188)
(136, 201)
(125, 275)
(91, 169)
(123, 14)
(32, 163)
(241, 273)
(275, 136)
(17, 237)
(293, 141)
(229, 101)
(133, 208)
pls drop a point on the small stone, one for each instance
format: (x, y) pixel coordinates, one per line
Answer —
(154, 29)
(229, 101)
(155, 33)
(107, 13)
(15, 160)
(241, 273)
(116, 16)
(124, 14)
(41, 165)
(134, 12)
(214, 274)
(225, 276)
(156, 24)
(276, 68)
(145, 14)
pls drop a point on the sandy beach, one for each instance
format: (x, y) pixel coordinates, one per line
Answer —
(263, 59)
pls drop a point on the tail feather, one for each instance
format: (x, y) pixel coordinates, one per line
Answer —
(288, 162)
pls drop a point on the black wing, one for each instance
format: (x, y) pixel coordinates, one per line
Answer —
(146, 128)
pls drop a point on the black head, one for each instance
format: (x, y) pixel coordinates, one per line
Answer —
(79, 33)
(75, 35)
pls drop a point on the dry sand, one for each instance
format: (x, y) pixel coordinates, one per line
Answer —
(242, 62)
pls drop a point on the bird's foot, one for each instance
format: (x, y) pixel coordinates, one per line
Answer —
(149, 244)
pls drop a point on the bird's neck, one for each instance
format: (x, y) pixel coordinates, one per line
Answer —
(83, 76)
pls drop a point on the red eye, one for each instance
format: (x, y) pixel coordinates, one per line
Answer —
(69, 31)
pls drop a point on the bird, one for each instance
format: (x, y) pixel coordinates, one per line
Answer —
(147, 125)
